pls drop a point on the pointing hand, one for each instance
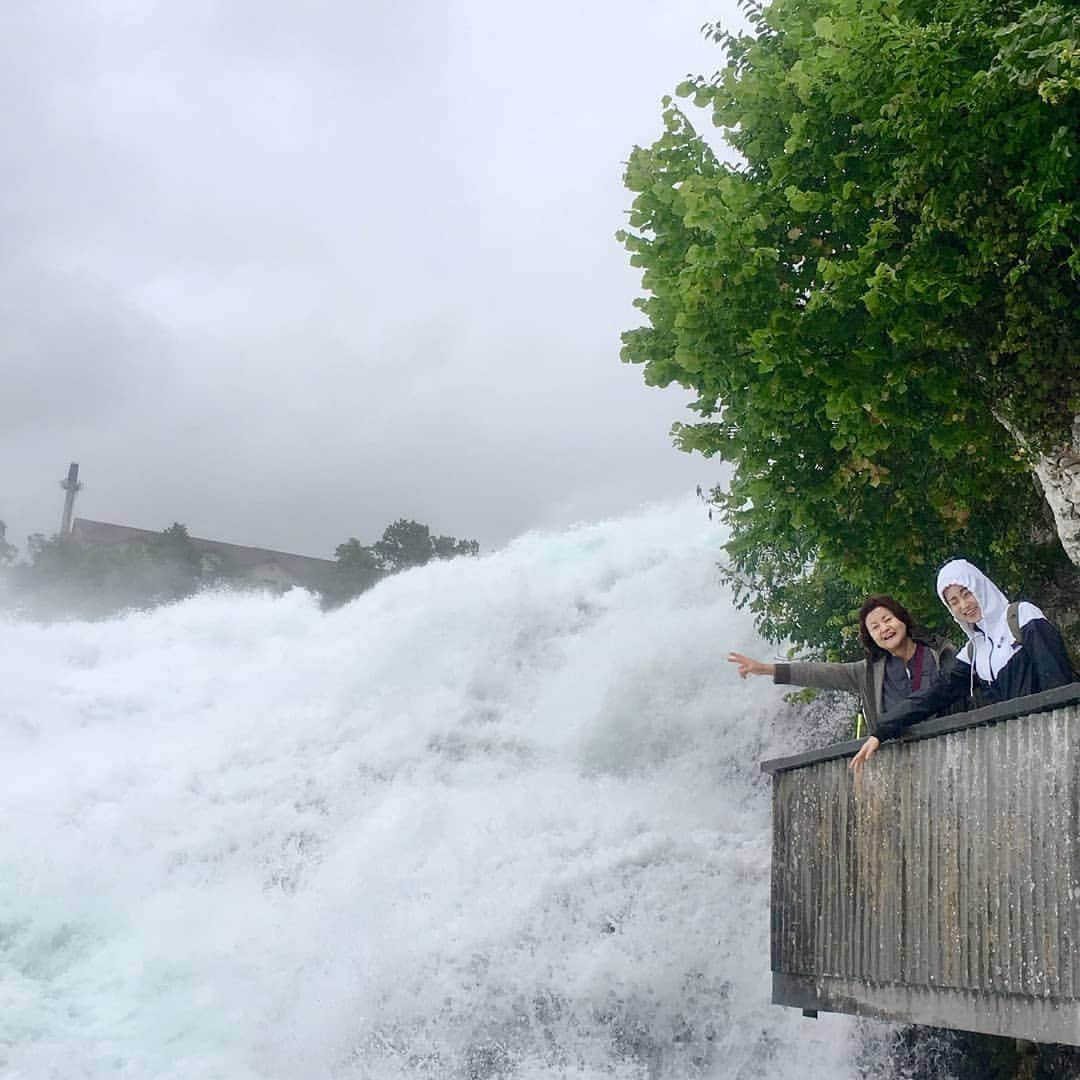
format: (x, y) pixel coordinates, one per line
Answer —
(749, 666)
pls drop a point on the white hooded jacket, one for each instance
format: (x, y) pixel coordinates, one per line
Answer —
(991, 638)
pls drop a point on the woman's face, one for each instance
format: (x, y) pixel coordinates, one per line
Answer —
(888, 632)
(962, 603)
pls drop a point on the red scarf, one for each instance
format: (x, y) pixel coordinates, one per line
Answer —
(915, 671)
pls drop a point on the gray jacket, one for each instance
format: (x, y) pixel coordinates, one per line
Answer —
(863, 677)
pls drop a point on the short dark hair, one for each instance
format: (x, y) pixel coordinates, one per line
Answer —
(872, 648)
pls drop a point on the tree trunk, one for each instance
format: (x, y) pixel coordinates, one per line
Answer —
(1059, 474)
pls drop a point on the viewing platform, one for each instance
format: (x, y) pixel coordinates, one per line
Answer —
(942, 885)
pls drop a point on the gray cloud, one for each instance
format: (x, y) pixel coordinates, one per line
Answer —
(286, 272)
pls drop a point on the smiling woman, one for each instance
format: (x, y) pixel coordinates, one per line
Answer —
(900, 659)
(962, 602)
(1013, 650)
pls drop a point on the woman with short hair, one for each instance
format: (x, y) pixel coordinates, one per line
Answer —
(900, 659)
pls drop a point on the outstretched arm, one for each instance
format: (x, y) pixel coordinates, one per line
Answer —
(823, 676)
(749, 666)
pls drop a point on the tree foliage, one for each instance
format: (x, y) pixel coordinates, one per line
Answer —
(403, 545)
(8, 551)
(179, 566)
(356, 569)
(886, 279)
(65, 577)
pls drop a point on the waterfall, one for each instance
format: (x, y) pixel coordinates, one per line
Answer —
(497, 818)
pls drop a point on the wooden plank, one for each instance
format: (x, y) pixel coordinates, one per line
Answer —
(952, 866)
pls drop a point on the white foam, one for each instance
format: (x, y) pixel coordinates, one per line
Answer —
(498, 817)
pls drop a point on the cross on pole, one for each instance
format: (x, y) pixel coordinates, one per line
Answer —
(72, 486)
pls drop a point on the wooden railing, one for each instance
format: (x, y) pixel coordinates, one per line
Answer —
(942, 885)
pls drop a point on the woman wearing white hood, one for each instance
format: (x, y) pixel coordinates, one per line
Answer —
(994, 660)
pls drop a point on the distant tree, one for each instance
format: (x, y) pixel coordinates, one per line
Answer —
(448, 547)
(174, 543)
(355, 570)
(51, 558)
(62, 577)
(7, 551)
(177, 566)
(65, 577)
(404, 544)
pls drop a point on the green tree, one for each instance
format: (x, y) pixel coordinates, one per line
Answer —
(356, 569)
(62, 577)
(877, 305)
(449, 547)
(176, 565)
(404, 544)
(7, 551)
(66, 577)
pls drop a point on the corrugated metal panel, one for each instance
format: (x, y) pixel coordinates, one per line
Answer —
(952, 863)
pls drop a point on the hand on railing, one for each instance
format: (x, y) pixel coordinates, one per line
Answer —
(866, 752)
(749, 666)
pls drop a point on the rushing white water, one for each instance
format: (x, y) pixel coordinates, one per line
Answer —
(497, 818)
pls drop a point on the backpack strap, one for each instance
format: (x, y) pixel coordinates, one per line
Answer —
(1012, 617)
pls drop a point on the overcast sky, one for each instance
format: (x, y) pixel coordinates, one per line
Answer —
(287, 271)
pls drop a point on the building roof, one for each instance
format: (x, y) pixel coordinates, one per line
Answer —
(299, 567)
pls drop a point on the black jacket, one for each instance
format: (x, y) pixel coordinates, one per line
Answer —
(1039, 662)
